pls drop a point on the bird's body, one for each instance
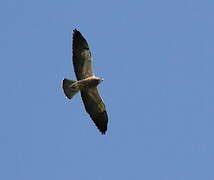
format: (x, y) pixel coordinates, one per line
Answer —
(86, 83)
(89, 82)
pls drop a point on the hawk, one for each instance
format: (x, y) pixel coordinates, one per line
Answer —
(86, 82)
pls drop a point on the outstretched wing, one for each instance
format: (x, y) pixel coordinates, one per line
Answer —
(81, 56)
(95, 107)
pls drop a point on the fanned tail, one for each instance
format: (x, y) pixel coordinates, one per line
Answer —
(70, 88)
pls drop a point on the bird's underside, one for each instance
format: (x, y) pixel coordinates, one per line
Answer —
(86, 83)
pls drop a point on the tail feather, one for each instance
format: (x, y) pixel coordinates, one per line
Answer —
(70, 88)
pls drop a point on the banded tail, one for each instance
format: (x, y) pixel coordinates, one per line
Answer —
(70, 88)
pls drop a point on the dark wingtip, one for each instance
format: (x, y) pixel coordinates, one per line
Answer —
(103, 133)
(101, 121)
(75, 30)
(78, 40)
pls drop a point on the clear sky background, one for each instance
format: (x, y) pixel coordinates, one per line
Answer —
(157, 59)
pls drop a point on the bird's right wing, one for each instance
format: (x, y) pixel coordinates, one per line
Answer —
(82, 59)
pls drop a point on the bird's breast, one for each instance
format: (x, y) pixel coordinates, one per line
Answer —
(87, 83)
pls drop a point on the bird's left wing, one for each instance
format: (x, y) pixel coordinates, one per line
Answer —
(95, 107)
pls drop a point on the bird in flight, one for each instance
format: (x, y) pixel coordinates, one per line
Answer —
(86, 82)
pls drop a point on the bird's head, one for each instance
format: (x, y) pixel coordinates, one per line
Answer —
(98, 80)
(101, 79)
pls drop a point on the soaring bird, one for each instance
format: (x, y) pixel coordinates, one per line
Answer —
(86, 82)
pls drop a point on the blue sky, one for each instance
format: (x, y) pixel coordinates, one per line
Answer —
(157, 59)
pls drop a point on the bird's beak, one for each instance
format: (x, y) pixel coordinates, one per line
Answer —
(101, 79)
